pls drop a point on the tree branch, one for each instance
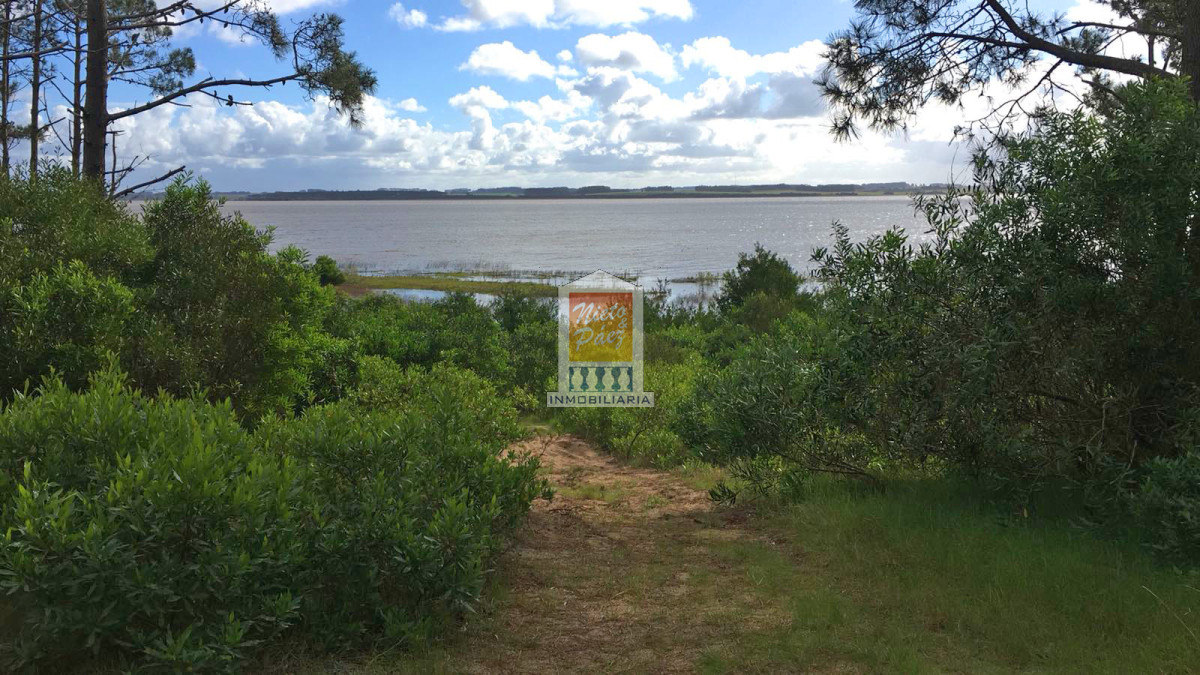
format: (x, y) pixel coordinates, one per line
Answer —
(160, 179)
(200, 87)
(1100, 61)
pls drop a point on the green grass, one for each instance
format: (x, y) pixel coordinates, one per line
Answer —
(596, 491)
(450, 283)
(927, 576)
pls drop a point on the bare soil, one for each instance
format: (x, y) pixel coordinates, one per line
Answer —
(615, 574)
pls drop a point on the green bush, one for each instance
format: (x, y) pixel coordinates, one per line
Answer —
(762, 272)
(778, 407)
(67, 319)
(1166, 504)
(57, 219)
(455, 330)
(161, 531)
(230, 316)
(184, 295)
(646, 435)
(327, 271)
(146, 526)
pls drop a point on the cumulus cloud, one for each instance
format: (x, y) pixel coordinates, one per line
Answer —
(561, 13)
(483, 96)
(410, 105)
(506, 60)
(757, 118)
(413, 18)
(719, 56)
(631, 51)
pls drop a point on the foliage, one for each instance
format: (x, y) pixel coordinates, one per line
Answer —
(1051, 327)
(1166, 504)
(327, 271)
(230, 315)
(642, 434)
(896, 57)
(763, 272)
(68, 319)
(144, 524)
(57, 219)
(455, 330)
(161, 530)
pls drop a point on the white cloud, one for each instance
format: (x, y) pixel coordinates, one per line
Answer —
(561, 13)
(413, 18)
(506, 60)
(287, 6)
(718, 55)
(483, 96)
(553, 109)
(621, 12)
(610, 125)
(410, 105)
(565, 56)
(636, 52)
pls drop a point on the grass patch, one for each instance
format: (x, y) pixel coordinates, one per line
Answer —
(447, 282)
(700, 476)
(927, 575)
(600, 492)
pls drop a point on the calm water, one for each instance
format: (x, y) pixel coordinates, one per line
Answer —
(656, 238)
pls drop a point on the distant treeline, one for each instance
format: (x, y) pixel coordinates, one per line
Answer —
(603, 192)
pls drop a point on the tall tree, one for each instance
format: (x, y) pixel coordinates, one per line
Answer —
(35, 87)
(313, 52)
(897, 56)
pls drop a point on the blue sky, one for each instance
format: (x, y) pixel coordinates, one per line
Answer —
(483, 93)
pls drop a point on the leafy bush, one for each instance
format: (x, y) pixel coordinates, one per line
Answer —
(161, 530)
(643, 434)
(777, 407)
(455, 330)
(67, 319)
(232, 317)
(57, 219)
(184, 295)
(327, 271)
(147, 525)
(1166, 504)
(763, 272)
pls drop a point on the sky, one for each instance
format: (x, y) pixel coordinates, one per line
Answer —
(488, 93)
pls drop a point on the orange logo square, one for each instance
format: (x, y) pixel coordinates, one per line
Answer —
(601, 327)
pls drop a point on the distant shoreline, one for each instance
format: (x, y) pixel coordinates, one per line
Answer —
(372, 195)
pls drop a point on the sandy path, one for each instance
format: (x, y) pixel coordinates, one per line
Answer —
(616, 574)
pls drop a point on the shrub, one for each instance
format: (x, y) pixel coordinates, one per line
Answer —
(455, 330)
(763, 272)
(1166, 504)
(513, 310)
(228, 315)
(146, 525)
(67, 319)
(644, 434)
(57, 219)
(327, 271)
(777, 405)
(161, 531)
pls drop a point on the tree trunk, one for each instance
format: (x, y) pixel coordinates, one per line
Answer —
(35, 90)
(1189, 63)
(4, 95)
(77, 98)
(95, 105)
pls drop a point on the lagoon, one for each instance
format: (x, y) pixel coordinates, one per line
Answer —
(652, 238)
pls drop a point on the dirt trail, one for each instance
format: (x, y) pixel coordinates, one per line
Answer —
(619, 573)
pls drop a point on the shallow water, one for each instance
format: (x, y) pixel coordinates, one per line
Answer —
(653, 238)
